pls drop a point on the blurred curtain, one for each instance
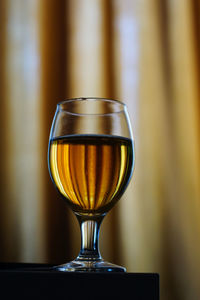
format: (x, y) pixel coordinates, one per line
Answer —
(144, 52)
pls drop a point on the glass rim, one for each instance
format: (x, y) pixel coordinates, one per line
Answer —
(114, 101)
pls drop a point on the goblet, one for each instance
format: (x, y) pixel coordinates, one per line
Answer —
(90, 160)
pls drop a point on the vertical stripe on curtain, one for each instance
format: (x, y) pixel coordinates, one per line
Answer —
(89, 74)
(53, 36)
(22, 190)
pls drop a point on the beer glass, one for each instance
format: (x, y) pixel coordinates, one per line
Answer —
(90, 159)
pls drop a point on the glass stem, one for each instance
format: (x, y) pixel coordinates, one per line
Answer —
(89, 238)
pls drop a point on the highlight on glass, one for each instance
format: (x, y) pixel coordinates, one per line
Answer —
(91, 161)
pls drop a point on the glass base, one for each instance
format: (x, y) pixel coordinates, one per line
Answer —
(80, 265)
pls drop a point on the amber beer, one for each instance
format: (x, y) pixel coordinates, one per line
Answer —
(91, 171)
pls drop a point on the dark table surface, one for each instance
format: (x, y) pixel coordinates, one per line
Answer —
(38, 281)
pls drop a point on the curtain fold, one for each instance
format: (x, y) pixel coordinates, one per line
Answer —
(53, 57)
(143, 52)
(20, 129)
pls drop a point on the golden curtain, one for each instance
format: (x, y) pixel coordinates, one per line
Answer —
(144, 52)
